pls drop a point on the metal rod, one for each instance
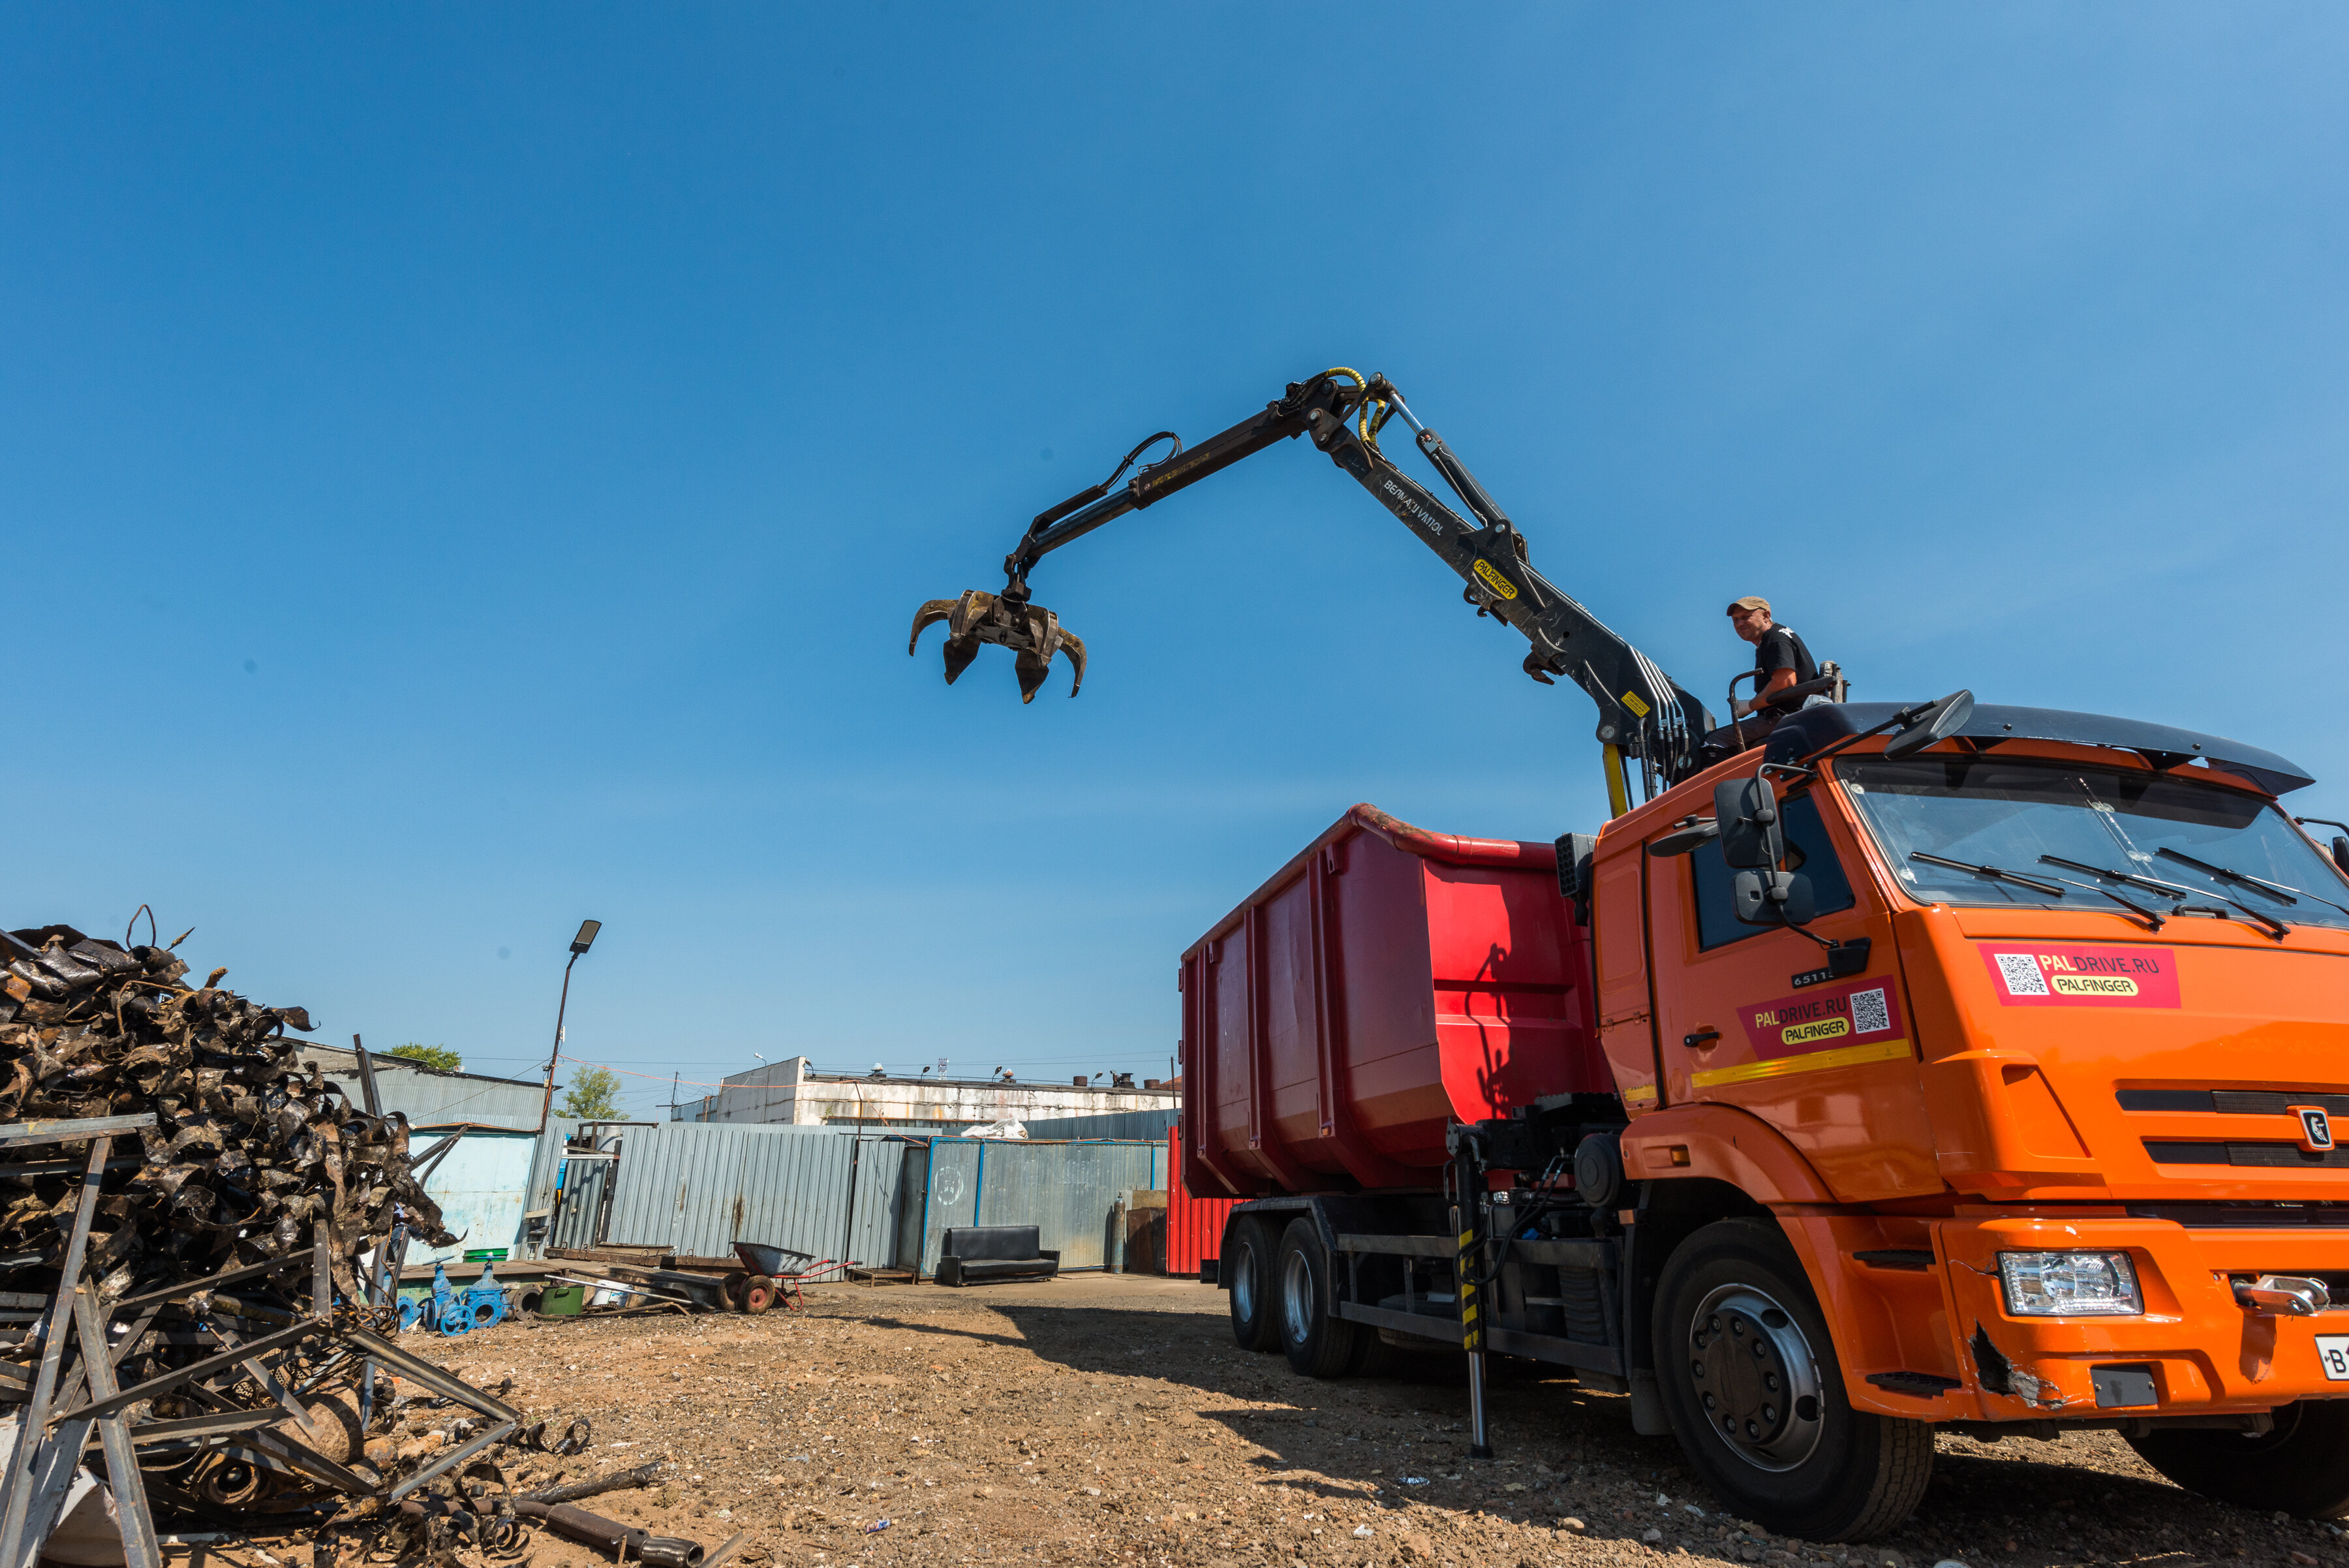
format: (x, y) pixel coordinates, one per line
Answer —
(211, 1282)
(367, 1077)
(181, 1377)
(433, 1378)
(554, 1055)
(643, 1475)
(18, 1484)
(123, 1472)
(496, 1434)
(13, 1134)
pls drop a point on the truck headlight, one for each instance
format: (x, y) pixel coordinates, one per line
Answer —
(2070, 1285)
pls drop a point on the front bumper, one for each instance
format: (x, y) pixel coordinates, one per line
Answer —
(2193, 1352)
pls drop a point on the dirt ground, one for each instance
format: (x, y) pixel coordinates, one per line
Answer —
(1110, 1420)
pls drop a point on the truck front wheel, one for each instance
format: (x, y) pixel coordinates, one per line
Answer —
(2301, 1467)
(1248, 1267)
(1749, 1379)
(1317, 1343)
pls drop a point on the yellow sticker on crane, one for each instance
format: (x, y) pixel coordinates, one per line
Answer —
(1631, 700)
(1494, 580)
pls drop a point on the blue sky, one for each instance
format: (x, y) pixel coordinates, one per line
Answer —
(473, 468)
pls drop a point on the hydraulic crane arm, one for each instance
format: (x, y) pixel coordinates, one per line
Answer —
(1644, 715)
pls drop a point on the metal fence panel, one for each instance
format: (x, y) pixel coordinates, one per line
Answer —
(955, 1166)
(1064, 1189)
(1105, 1124)
(695, 1188)
(481, 1186)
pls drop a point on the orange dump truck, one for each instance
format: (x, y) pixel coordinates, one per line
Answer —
(1967, 1069)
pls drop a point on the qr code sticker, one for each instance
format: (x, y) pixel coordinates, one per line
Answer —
(2022, 976)
(1869, 1013)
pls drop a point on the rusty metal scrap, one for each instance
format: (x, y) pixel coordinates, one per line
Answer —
(197, 1231)
(254, 1154)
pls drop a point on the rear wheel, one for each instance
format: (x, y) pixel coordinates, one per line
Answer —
(1247, 1264)
(1316, 1343)
(1749, 1379)
(2301, 1467)
(731, 1287)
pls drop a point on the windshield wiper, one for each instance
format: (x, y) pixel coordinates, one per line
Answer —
(2290, 895)
(2174, 889)
(2178, 891)
(1998, 872)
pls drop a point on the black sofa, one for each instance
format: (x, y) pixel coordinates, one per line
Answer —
(980, 1254)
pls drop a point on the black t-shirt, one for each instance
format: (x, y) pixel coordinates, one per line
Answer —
(1780, 648)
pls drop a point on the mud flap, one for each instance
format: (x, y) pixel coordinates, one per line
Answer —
(1647, 1417)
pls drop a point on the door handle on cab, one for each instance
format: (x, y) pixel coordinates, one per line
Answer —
(1702, 1039)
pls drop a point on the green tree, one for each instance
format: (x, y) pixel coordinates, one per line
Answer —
(593, 1096)
(436, 1056)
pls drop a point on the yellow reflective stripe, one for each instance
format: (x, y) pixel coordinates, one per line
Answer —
(1639, 1096)
(1814, 1062)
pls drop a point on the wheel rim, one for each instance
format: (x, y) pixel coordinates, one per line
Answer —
(1755, 1378)
(1296, 1298)
(1243, 1284)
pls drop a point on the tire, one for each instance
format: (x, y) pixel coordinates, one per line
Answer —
(1248, 1265)
(1317, 1344)
(1373, 1357)
(731, 1286)
(758, 1293)
(2301, 1468)
(1748, 1375)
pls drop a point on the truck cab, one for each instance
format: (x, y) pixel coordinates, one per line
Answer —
(2015, 1116)
(2058, 1147)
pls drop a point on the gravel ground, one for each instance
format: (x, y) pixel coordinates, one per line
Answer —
(1111, 1420)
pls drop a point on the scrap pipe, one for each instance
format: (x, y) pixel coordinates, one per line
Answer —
(643, 1475)
(621, 1540)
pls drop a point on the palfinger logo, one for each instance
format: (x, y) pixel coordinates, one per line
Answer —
(1494, 580)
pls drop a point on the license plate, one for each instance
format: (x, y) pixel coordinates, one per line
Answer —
(2333, 1352)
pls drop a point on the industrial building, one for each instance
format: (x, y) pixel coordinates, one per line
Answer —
(792, 1093)
(431, 1097)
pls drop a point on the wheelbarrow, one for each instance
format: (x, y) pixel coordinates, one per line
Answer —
(773, 1274)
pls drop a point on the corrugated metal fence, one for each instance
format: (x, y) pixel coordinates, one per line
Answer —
(694, 1189)
(1064, 1189)
(1153, 1125)
(1195, 1226)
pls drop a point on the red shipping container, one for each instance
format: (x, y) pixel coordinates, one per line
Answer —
(1195, 1226)
(1386, 983)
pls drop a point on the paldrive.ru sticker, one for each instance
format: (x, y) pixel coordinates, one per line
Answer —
(1854, 1011)
(2067, 974)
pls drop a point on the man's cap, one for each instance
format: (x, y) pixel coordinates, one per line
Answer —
(1750, 602)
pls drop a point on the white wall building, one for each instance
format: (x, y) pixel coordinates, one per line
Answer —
(793, 1092)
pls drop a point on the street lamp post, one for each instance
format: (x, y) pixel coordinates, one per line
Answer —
(579, 945)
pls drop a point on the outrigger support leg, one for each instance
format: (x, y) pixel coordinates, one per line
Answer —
(1467, 1225)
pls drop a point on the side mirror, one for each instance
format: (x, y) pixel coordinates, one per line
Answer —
(1747, 813)
(1938, 722)
(2341, 852)
(1768, 897)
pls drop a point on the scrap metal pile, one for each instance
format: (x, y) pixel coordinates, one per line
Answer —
(199, 1234)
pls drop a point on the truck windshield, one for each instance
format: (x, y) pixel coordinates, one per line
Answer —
(2159, 841)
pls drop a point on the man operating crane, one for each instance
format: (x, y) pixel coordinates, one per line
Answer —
(1780, 659)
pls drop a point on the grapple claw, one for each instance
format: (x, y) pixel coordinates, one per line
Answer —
(1029, 630)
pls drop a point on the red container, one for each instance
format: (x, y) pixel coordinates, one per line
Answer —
(1388, 982)
(1195, 1226)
